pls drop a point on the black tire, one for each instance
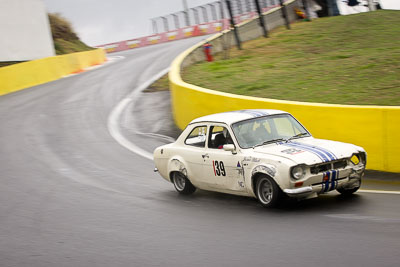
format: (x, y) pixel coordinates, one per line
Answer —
(268, 192)
(348, 192)
(182, 184)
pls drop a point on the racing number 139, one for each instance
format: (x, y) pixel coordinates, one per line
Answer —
(219, 168)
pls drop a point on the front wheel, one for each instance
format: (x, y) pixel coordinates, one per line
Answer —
(347, 192)
(267, 191)
(182, 184)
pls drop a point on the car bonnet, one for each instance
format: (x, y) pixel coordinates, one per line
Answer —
(309, 150)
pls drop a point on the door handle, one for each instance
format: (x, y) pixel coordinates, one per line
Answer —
(205, 156)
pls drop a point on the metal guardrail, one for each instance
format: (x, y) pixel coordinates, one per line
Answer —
(201, 20)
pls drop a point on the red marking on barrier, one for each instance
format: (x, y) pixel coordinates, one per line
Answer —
(196, 31)
(78, 71)
(178, 34)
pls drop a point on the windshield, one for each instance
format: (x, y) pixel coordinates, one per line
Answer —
(268, 129)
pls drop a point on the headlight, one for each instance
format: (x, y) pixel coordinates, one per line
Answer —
(358, 158)
(298, 172)
(355, 159)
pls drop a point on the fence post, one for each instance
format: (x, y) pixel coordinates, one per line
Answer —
(284, 14)
(306, 10)
(228, 4)
(186, 12)
(176, 20)
(261, 18)
(213, 12)
(248, 6)
(165, 20)
(332, 8)
(224, 41)
(196, 16)
(205, 15)
(239, 6)
(155, 28)
(371, 5)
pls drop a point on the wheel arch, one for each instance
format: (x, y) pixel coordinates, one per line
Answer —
(263, 170)
(176, 164)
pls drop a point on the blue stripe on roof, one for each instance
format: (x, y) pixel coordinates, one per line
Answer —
(254, 113)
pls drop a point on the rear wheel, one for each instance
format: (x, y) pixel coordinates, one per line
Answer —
(268, 192)
(182, 184)
(347, 192)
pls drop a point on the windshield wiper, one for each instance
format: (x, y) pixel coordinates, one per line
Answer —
(270, 141)
(280, 139)
(296, 136)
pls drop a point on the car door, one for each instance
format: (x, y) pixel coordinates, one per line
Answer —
(223, 169)
(193, 152)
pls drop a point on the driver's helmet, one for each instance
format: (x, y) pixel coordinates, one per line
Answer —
(225, 132)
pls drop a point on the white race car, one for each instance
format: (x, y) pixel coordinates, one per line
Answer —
(265, 154)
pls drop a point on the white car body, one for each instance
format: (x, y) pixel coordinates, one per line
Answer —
(324, 165)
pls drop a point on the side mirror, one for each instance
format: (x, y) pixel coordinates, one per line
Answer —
(230, 147)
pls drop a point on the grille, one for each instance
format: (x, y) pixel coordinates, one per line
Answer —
(340, 164)
(334, 165)
(321, 168)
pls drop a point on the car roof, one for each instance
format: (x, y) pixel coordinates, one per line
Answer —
(231, 117)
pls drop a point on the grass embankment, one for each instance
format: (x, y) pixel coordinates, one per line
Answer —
(8, 63)
(345, 60)
(65, 39)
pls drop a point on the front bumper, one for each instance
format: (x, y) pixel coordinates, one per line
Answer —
(353, 180)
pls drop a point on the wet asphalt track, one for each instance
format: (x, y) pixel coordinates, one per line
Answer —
(70, 195)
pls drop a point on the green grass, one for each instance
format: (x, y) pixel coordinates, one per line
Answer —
(65, 39)
(161, 84)
(9, 63)
(345, 60)
(70, 46)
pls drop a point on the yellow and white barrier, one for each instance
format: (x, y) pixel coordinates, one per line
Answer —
(376, 128)
(23, 75)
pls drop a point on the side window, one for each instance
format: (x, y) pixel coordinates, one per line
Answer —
(197, 137)
(219, 136)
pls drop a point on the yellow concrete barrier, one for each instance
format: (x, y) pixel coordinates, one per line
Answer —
(24, 75)
(376, 128)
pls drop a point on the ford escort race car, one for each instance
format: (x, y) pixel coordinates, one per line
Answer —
(265, 154)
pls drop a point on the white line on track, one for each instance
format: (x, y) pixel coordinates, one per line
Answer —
(379, 191)
(113, 120)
